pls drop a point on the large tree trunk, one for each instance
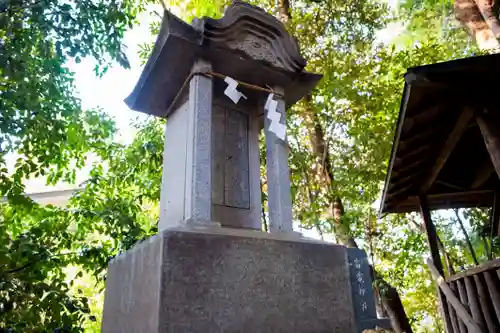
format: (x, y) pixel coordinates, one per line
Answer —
(478, 17)
(388, 294)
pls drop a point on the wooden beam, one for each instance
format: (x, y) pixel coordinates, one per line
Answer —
(478, 198)
(449, 145)
(492, 265)
(482, 175)
(450, 185)
(490, 129)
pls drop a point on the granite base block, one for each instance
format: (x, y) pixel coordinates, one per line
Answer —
(207, 282)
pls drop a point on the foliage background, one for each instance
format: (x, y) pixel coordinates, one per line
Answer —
(53, 260)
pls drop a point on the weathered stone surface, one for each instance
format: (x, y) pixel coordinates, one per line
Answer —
(235, 163)
(186, 191)
(230, 158)
(173, 192)
(218, 153)
(225, 282)
(132, 290)
(236, 183)
(198, 204)
(256, 34)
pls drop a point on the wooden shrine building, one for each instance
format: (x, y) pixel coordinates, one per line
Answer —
(446, 154)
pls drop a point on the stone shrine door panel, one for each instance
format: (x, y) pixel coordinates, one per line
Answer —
(235, 202)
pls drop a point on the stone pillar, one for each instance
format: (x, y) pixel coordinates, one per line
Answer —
(278, 176)
(186, 180)
(198, 183)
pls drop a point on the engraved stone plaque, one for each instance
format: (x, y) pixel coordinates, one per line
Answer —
(362, 293)
(230, 158)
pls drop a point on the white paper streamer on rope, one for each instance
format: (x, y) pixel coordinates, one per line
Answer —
(275, 126)
(231, 91)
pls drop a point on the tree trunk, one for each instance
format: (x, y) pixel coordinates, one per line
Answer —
(478, 17)
(467, 239)
(388, 295)
(394, 308)
(284, 11)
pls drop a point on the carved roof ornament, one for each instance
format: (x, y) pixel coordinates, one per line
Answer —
(246, 44)
(256, 33)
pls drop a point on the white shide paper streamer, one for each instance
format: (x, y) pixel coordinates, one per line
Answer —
(231, 91)
(274, 116)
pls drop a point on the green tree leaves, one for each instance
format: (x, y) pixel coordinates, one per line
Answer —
(42, 123)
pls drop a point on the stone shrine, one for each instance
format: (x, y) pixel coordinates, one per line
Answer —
(211, 268)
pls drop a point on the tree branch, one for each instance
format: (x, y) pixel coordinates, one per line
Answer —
(162, 2)
(17, 269)
(467, 239)
(4, 8)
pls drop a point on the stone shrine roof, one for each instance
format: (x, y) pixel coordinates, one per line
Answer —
(247, 44)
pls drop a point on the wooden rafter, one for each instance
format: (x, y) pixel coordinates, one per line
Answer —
(411, 155)
(449, 145)
(408, 169)
(482, 175)
(456, 187)
(415, 139)
(422, 117)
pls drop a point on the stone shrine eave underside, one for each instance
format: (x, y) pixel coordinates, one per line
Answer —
(245, 44)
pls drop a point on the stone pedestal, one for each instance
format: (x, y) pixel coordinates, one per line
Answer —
(226, 280)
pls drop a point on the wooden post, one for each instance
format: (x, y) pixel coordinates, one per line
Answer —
(461, 326)
(495, 215)
(453, 299)
(464, 300)
(431, 233)
(489, 125)
(486, 306)
(494, 289)
(488, 122)
(430, 230)
(473, 297)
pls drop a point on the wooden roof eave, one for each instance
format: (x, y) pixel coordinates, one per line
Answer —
(395, 146)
